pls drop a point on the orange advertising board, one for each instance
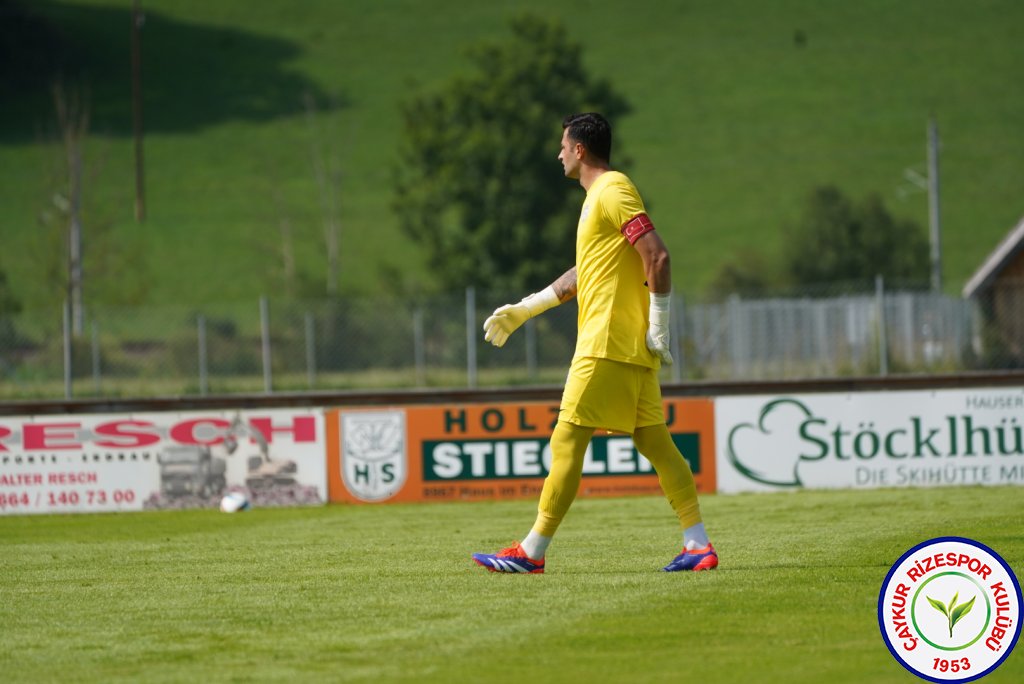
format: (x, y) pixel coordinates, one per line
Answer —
(472, 452)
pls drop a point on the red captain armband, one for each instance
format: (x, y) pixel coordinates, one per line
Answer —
(636, 227)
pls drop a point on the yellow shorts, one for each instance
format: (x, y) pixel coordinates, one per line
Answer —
(616, 396)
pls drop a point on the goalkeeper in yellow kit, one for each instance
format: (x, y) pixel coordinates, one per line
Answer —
(623, 286)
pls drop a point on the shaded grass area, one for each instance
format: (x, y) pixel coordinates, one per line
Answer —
(387, 593)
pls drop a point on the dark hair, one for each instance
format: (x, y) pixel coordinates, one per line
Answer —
(592, 131)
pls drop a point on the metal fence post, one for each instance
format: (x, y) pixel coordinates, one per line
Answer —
(419, 354)
(201, 330)
(531, 348)
(97, 384)
(883, 345)
(265, 340)
(908, 329)
(66, 326)
(676, 340)
(822, 349)
(701, 351)
(310, 351)
(737, 335)
(471, 336)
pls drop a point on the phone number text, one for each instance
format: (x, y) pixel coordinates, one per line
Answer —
(68, 498)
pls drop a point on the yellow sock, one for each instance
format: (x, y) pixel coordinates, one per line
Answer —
(568, 447)
(674, 474)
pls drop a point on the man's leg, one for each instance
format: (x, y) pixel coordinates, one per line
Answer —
(597, 392)
(568, 449)
(674, 474)
(676, 479)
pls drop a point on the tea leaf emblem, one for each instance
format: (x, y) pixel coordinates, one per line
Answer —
(954, 613)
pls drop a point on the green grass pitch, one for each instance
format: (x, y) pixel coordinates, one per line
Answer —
(388, 593)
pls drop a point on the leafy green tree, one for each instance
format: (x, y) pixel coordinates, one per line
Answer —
(478, 186)
(838, 239)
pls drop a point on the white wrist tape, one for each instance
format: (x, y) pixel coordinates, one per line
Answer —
(539, 302)
(661, 306)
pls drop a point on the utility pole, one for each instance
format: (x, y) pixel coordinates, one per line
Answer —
(73, 119)
(934, 219)
(140, 188)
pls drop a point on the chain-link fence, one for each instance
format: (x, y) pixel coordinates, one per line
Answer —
(377, 342)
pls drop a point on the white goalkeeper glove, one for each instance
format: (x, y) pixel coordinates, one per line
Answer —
(658, 331)
(506, 319)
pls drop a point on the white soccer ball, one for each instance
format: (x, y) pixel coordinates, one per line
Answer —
(234, 502)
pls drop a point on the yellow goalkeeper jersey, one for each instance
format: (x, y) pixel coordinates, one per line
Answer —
(610, 291)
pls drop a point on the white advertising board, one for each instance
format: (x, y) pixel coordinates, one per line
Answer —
(870, 440)
(148, 461)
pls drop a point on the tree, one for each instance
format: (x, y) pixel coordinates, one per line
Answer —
(841, 240)
(78, 252)
(478, 185)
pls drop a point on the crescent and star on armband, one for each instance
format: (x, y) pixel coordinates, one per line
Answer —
(636, 227)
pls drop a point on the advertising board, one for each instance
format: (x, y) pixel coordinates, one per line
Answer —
(492, 451)
(870, 440)
(142, 461)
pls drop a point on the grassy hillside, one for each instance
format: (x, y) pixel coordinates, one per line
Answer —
(740, 107)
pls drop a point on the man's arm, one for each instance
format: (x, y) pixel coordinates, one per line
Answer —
(657, 269)
(657, 266)
(565, 285)
(506, 319)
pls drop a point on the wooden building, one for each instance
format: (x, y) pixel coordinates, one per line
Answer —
(998, 286)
